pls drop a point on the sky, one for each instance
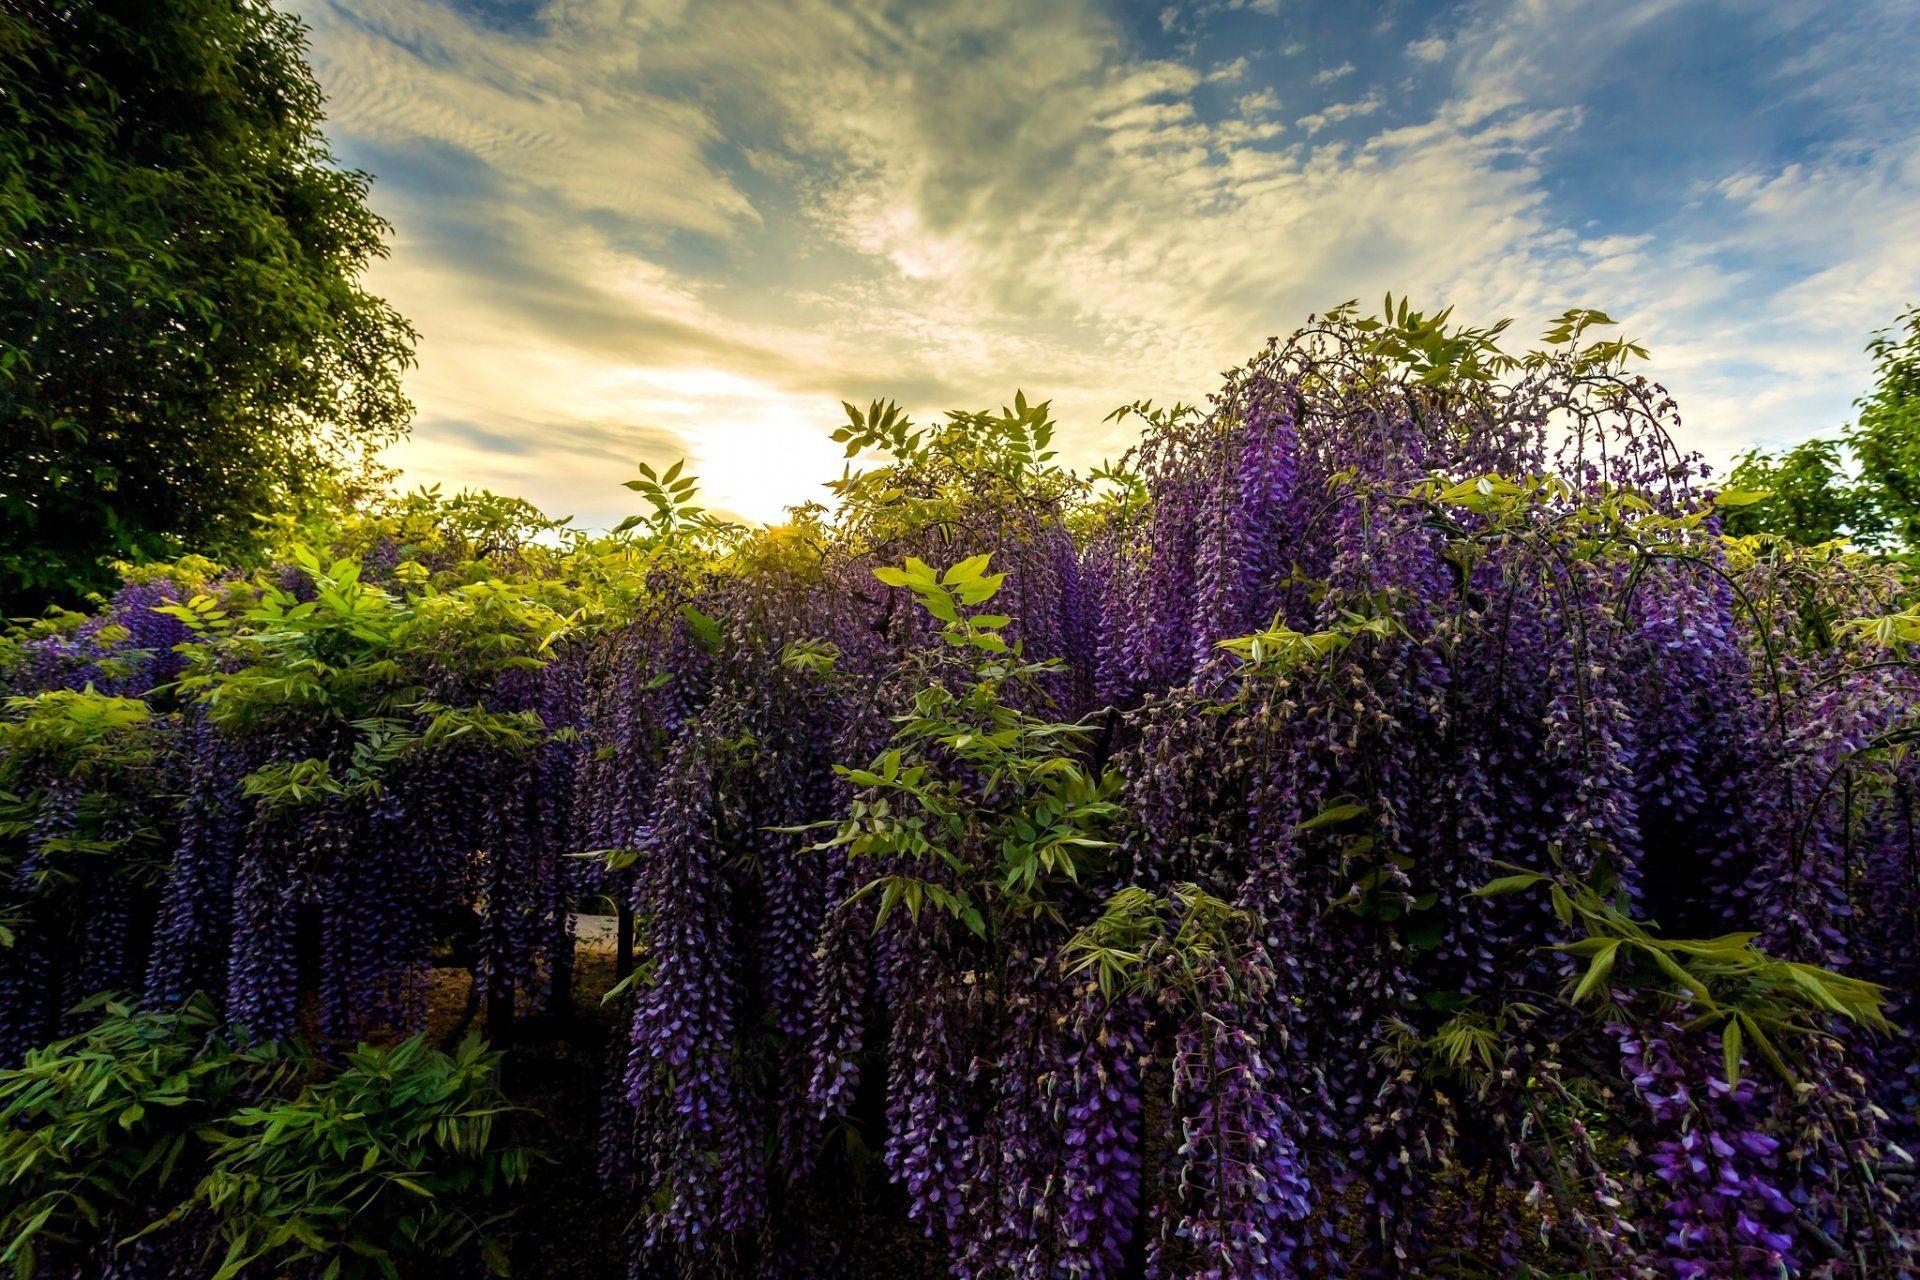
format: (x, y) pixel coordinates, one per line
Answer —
(637, 230)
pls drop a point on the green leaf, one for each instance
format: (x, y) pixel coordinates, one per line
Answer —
(1597, 971)
(1505, 886)
(705, 630)
(1332, 816)
(968, 570)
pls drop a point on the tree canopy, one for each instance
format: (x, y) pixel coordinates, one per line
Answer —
(185, 341)
(1865, 485)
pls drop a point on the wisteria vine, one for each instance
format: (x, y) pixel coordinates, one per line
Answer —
(1379, 826)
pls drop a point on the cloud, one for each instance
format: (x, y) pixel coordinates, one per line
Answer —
(1758, 282)
(1328, 75)
(636, 228)
(1258, 104)
(1339, 112)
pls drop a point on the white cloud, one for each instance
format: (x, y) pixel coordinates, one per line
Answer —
(1340, 111)
(636, 228)
(1758, 298)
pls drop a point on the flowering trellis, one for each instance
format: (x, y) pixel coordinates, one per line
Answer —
(1380, 827)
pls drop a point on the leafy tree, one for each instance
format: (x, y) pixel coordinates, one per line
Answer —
(1865, 486)
(184, 339)
(1810, 498)
(1886, 437)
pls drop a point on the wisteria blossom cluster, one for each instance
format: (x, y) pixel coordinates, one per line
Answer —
(1380, 827)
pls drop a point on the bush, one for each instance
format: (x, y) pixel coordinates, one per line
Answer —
(1384, 826)
(165, 1136)
(102, 1133)
(391, 1162)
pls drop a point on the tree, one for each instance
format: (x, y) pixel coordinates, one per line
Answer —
(184, 339)
(1865, 486)
(1810, 497)
(1885, 439)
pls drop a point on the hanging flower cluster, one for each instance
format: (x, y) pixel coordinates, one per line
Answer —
(1398, 628)
(83, 828)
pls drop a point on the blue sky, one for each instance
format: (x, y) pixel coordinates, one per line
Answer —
(643, 229)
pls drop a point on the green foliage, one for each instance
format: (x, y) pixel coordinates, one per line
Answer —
(1143, 942)
(988, 809)
(1424, 349)
(362, 660)
(1593, 523)
(20, 633)
(674, 514)
(116, 661)
(1469, 1045)
(1727, 983)
(1279, 649)
(98, 1130)
(78, 734)
(1405, 346)
(1808, 496)
(154, 1119)
(472, 525)
(95, 754)
(658, 559)
(1116, 497)
(815, 656)
(1885, 437)
(973, 466)
(1893, 631)
(184, 340)
(390, 1163)
(1864, 486)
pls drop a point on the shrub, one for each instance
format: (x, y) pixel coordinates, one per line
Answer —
(392, 1163)
(166, 1138)
(102, 1133)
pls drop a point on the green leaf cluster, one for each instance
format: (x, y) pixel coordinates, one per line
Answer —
(674, 514)
(157, 1119)
(1408, 347)
(973, 466)
(397, 1160)
(1863, 485)
(1146, 942)
(346, 661)
(95, 755)
(1280, 650)
(103, 1132)
(980, 808)
(1727, 983)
